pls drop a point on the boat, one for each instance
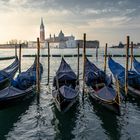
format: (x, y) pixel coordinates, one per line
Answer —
(100, 87)
(22, 87)
(136, 65)
(8, 73)
(133, 78)
(66, 91)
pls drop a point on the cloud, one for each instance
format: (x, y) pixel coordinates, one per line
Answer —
(74, 16)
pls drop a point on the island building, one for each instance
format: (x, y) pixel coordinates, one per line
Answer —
(59, 41)
(89, 43)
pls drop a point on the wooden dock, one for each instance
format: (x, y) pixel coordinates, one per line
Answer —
(120, 55)
(58, 55)
(7, 58)
(75, 55)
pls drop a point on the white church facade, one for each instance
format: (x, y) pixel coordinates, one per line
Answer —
(60, 41)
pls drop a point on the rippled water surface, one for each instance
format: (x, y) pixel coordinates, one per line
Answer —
(33, 120)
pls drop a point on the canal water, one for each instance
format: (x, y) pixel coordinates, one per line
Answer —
(33, 120)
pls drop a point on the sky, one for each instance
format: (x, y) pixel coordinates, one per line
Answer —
(108, 21)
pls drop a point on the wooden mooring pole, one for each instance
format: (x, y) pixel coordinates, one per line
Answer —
(131, 62)
(105, 57)
(118, 91)
(48, 63)
(126, 68)
(15, 50)
(84, 58)
(20, 58)
(37, 67)
(78, 46)
(96, 52)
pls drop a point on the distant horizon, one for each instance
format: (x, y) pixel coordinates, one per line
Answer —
(107, 21)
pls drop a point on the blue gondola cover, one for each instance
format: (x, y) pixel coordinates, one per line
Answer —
(136, 65)
(119, 72)
(28, 78)
(64, 73)
(68, 92)
(94, 75)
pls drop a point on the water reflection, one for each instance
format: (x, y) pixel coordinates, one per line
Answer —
(9, 116)
(64, 123)
(109, 121)
(134, 101)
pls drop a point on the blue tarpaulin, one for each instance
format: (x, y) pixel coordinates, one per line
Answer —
(136, 65)
(28, 78)
(94, 75)
(64, 73)
(119, 72)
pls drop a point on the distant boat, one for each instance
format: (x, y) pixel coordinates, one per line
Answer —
(100, 87)
(133, 78)
(118, 46)
(66, 91)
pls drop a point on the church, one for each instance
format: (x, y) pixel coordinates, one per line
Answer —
(60, 41)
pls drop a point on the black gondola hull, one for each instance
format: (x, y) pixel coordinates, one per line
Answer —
(65, 105)
(113, 106)
(131, 91)
(4, 83)
(21, 95)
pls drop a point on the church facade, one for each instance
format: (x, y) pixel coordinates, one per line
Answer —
(60, 41)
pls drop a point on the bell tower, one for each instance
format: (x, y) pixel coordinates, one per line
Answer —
(42, 31)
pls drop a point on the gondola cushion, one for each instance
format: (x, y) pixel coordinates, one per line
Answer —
(68, 92)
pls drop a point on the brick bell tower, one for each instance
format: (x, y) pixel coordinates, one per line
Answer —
(42, 31)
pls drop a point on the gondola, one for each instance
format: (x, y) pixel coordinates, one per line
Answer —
(66, 91)
(22, 86)
(136, 65)
(100, 88)
(133, 78)
(8, 73)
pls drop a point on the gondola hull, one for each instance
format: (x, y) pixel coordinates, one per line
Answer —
(66, 91)
(11, 95)
(4, 83)
(21, 88)
(112, 106)
(131, 91)
(8, 73)
(119, 73)
(100, 89)
(65, 105)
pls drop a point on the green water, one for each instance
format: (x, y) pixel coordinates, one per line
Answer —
(33, 120)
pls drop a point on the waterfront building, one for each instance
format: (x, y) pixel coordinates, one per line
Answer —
(89, 44)
(61, 41)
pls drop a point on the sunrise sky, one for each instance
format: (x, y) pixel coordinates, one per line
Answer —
(105, 20)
